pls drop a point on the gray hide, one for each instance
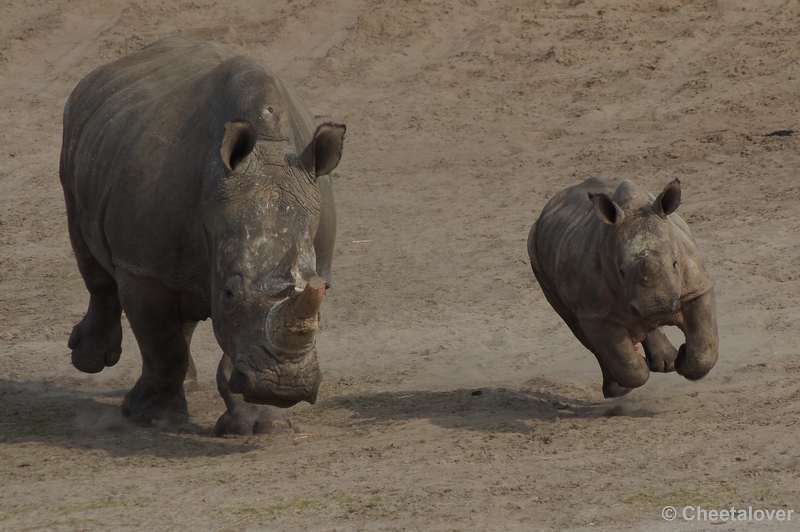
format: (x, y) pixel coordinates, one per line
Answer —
(197, 186)
(617, 264)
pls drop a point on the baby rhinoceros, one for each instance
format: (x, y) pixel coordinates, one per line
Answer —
(617, 264)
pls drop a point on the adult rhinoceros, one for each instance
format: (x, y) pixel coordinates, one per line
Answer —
(196, 185)
(616, 264)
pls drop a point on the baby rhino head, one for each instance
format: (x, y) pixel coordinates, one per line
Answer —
(643, 254)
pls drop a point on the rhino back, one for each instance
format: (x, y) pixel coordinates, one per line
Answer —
(564, 246)
(141, 139)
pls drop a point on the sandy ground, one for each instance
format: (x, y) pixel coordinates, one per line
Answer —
(463, 119)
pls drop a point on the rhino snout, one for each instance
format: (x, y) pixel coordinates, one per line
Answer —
(658, 310)
(281, 385)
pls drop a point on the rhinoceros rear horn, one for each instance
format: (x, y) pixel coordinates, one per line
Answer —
(604, 207)
(322, 155)
(238, 142)
(668, 201)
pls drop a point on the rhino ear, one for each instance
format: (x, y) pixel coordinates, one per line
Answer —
(238, 142)
(604, 207)
(323, 154)
(668, 201)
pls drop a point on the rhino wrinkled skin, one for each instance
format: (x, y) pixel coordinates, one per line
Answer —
(197, 185)
(617, 264)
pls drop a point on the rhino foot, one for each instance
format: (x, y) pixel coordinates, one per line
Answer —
(190, 382)
(95, 343)
(248, 419)
(145, 407)
(691, 368)
(611, 389)
(659, 352)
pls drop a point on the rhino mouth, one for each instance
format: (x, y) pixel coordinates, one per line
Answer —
(271, 401)
(267, 381)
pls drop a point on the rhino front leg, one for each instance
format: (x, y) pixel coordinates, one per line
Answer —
(326, 231)
(614, 349)
(154, 314)
(244, 419)
(699, 354)
(659, 351)
(610, 387)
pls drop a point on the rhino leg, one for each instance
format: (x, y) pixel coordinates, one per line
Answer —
(610, 388)
(614, 349)
(326, 231)
(190, 381)
(96, 341)
(660, 353)
(699, 354)
(244, 419)
(154, 314)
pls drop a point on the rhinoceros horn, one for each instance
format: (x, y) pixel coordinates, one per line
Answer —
(292, 323)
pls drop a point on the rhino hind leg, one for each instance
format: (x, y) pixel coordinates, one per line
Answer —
(154, 314)
(659, 352)
(614, 349)
(611, 388)
(96, 341)
(244, 419)
(190, 381)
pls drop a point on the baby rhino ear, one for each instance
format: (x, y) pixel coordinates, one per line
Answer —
(668, 201)
(604, 208)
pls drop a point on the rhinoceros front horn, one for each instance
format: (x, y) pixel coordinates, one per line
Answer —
(307, 304)
(293, 323)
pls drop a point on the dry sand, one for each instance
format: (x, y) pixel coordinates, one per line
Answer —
(463, 119)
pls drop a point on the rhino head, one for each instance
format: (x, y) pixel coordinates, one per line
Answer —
(261, 217)
(643, 256)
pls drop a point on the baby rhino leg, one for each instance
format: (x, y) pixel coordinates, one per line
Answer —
(613, 347)
(660, 353)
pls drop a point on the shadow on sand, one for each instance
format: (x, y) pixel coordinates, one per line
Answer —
(36, 412)
(488, 409)
(45, 413)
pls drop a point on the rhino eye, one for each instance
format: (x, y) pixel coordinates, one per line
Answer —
(231, 294)
(622, 274)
